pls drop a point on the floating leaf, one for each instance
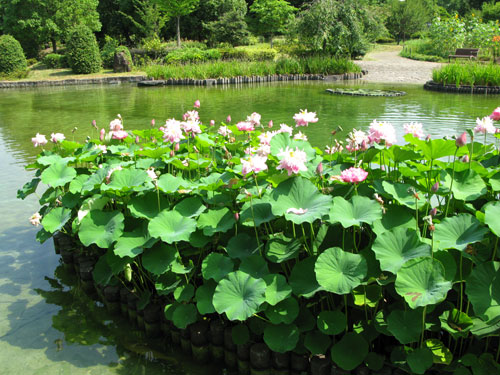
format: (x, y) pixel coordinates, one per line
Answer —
(442, 355)
(277, 289)
(458, 231)
(216, 266)
(303, 279)
(281, 338)
(172, 227)
(421, 282)
(354, 212)
(331, 322)
(420, 360)
(242, 246)
(395, 247)
(55, 219)
(405, 325)
(215, 221)
(239, 295)
(159, 258)
(317, 342)
(350, 351)
(101, 228)
(338, 271)
(283, 312)
(302, 195)
(281, 248)
(58, 174)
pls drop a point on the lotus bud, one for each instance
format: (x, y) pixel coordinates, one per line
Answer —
(462, 140)
(137, 139)
(172, 153)
(333, 132)
(270, 124)
(465, 158)
(196, 149)
(228, 119)
(212, 122)
(364, 145)
(236, 216)
(432, 228)
(153, 122)
(319, 169)
(184, 117)
(435, 187)
(176, 147)
(74, 130)
(103, 133)
(428, 138)
(433, 212)
(94, 124)
(196, 104)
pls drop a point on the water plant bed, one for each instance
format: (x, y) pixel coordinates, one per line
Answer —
(366, 92)
(462, 89)
(249, 246)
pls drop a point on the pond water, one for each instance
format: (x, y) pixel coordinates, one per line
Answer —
(48, 328)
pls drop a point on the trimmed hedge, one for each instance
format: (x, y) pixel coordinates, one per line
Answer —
(83, 51)
(55, 61)
(12, 57)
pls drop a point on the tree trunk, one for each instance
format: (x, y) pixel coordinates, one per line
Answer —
(54, 45)
(178, 31)
(271, 41)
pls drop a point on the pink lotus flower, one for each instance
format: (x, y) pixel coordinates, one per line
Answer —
(270, 124)
(465, 158)
(433, 212)
(495, 115)
(172, 131)
(415, 129)
(353, 175)
(35, 219)
(103, 148)
(102, 134)
(224, 131)
(191, 116)
(153, 122)
(253, 164)
(39, 140)
(57, 137)
(357, 140)
(265, 138)
(263, 150)
(319, 169)
(300, 136)
(228, 118)
(484, 125)
(137, 139)
(236, 216)
(382, 131)
(94, 123)
(435, 187)
(152, 174)
(212, 122)
(196, 104)
(332, 150)
(119, 134)
(116, 125)
(284, 128)
(176, 147)
(292, 161)
(254, 118)
(462, 140)
(297, 211)
(303, 118)
(245, 126)
(191, 127)
(250, 150)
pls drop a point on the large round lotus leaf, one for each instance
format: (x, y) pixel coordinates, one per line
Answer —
(420, 360)
(216, 266)
(395, 247)
(242, 246)
(169, 183)
(374, 361)
(449, 263)
(116, 263)
(255, 266)
(435, 148)
(277, 289)
(281, 338)
(354, 212)
(338, 271)
(303, 279)
(492, 217)
(159, 258)
(467, 185)
(215, 221)
(184, 315)
(146, 206)
(280, 248)
(300, 201)
(317, 342)
(239, 295)
(283, 140)
(331, 322)
(483, 290)
(350, 351)
(172, 227)
(129, 179)
(406, 326)
(101, 228)
(256, 213)
(58, 174)
(204, 295)
(395, 217)
(184, 293)
(368, 295)
(401, 193)
(458, 231)
(421, 282)
(283, 312)
(55, 219)
(190, 207)
(102, 273)
(442, 355)
(455, 322)
(131, 244)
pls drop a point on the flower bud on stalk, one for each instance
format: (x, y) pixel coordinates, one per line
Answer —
(137, 139)
(228, 119)
(462, 140)
(435, 187)
(212, 122)
(236, 216)
(465, 158)
(270, 124)
(94, 124)
(433, 212)
(103, 133)
(153, 122)
(176, 147)
(319, 169)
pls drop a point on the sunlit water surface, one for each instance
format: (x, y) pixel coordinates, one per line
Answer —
(47, 327)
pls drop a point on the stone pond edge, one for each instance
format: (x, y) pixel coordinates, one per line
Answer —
(463, 89)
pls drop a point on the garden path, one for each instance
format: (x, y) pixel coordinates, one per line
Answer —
(385, 65)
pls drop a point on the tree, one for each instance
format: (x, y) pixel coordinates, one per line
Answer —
(272, 16)
(226, 21)
(408, 17)
(176, 9)
(148, 19)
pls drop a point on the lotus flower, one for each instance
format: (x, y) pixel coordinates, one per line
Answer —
(212, 122)
(382, 131)
(284, 128)
(254, 118)
(353, 175)
(253, 164)
(35, 219)
(39, 140)
(152, 174)
(265, 138)
(297, 211)
(357, 140)
(300, 136)
(462, 140)
(484, 125)
(116, 125)
(303, 118)
(495, 115)
(292, 161)
(102, 134)
(415, 129)
(196, 104)
(172, 131)
(119, 134)
(228, 118)
(224, 131)
(57, 137)
(245, 126)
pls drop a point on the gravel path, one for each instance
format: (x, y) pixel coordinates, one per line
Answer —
(388, 67)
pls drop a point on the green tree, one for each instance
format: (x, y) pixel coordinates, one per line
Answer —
(147, 18)
(272, 16)
(225, 21)
(83, 51)
(408, 17)
(176, 9)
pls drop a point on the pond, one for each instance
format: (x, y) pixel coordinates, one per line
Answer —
(48, 328)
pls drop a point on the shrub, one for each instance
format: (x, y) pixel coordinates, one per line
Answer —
(12, 57)
(126, 51)
(184, 55)
(31, 61)
(108, 51)
(55, 61)
(83, 52)
(468, 74)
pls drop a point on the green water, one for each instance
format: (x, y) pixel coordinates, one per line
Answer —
(48, 328)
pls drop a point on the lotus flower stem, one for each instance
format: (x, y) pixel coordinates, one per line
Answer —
(451, 183)
(498, 350)
(254, 226)
(495, 251)
(461, 282)
(305, 240)
(423, 327)
(346, 315)
(354, 239)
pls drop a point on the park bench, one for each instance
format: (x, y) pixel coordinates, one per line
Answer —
(464, 53)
